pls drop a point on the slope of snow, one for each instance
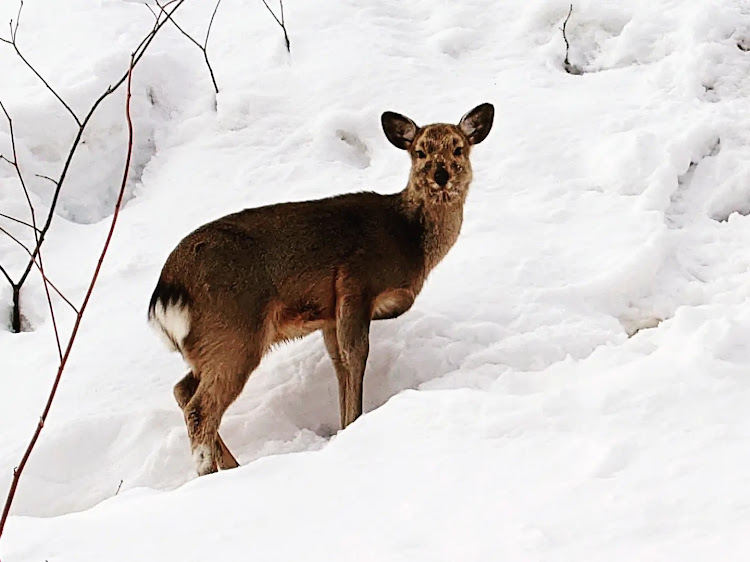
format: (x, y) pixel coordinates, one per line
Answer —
(578, 362)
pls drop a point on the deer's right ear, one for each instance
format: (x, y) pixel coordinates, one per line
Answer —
(400, 130)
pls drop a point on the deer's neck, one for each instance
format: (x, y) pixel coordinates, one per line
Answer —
(441, 225)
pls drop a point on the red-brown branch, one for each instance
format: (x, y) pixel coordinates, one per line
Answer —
(17, 472)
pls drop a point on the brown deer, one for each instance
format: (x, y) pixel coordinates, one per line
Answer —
(238, 285)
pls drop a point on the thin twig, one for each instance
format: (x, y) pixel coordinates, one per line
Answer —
(210, 23)
(16, 316)
(45, 281)
(39, 267)
(19, 221)
(118, 487)
(14, 31)
(55, 329)
(565, 37)
(281, 22)
(61, 295)
(19, 470)
(569, 68)
(16, 240)
(204, 47)
(16, 166)
(46, 178)
(140, 50)
(14, 44)
(5, 273)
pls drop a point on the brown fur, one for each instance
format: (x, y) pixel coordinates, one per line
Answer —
(266, 275)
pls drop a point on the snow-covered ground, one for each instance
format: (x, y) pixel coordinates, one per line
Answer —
(527, 408)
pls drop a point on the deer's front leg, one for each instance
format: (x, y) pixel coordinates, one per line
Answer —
(353, 338)
(342, 373)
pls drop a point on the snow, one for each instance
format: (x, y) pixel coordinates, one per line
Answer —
(570, 385)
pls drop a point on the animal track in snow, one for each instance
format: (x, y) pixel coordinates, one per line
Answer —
(686, 198)
(358, 154)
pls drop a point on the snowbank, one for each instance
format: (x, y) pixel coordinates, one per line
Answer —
(579, 358)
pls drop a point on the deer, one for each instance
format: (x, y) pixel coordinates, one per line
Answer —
(235, 287)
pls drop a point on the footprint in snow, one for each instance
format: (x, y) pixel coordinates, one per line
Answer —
(339, 138)
(356, 152)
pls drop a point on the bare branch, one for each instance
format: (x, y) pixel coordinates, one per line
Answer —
(15, 162)
(53, 391)
(16, 315)
(40, 268)
(14, 30)
(281, 22)
(14, 44)
(140, 51)
(569, 68)
(60, 293)
(204, 47)
(5, 273)
(40, 234)
(210, 23)
(272, 12)
(185, 33)
(565, 37)
(16, 312)
(16, 240)
(40, 265)
(19, 221)
(55, 330)
(46, 178)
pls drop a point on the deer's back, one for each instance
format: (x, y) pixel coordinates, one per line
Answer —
(289, 257)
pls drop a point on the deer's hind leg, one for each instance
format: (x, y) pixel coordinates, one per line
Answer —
(222, 369)
(183, 392)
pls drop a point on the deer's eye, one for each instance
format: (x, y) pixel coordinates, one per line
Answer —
(458, 152)
(421, 154)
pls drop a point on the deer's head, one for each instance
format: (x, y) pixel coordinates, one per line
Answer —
(440, 168)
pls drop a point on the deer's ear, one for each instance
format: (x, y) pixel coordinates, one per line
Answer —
(476, 124)
(400, 130)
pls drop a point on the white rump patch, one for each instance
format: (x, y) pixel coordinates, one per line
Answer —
(172, 323)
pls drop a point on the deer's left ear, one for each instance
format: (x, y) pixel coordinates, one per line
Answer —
(476, 124)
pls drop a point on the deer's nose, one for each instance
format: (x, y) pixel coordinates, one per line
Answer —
(441, 176)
